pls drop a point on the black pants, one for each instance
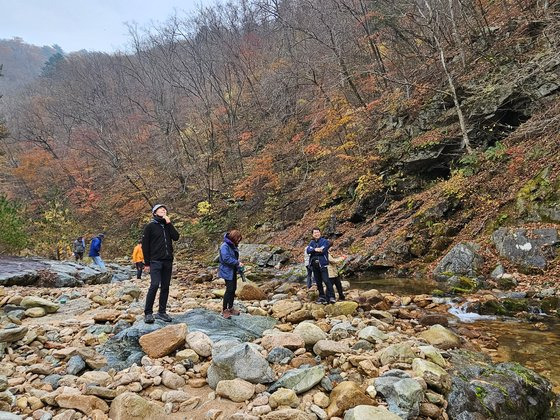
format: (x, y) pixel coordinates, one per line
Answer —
(336, 281)
(309, 276)
(139, 268)
(160, 277)
(79, 255)
(229, 295)
(321, 276)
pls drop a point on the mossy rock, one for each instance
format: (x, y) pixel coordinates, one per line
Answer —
(492, 307)
(505, 283)
(515, 305)
(550, 303)
(509, 391)
(538, 199)
(462, 284)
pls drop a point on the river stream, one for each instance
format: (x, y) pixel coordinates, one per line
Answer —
(537, 347)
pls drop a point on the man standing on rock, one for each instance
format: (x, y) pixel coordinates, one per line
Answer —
(157, 248)
(318, 250)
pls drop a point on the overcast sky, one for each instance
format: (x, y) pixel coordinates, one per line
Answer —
(95, 25)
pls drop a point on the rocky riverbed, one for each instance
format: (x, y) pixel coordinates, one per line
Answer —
(85, 352)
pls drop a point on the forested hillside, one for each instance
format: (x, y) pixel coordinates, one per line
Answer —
(397, 126)
(22, 63)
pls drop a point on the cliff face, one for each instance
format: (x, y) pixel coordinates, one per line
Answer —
(427, 193)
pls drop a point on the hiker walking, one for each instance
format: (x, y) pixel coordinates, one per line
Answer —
(95, 249)
(78, 248)
(138, 259)
(157, 247)
(229, 267)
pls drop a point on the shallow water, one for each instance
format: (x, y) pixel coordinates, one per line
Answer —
(396, 285)
(522, 342)
(519, 341)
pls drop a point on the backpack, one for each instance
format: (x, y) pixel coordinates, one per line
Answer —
(79, 246)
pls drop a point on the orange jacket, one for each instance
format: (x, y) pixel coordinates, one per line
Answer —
(137, 254)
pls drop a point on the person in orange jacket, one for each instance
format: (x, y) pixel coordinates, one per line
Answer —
(138, 259)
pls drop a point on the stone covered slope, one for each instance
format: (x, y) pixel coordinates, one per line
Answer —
(374, 356)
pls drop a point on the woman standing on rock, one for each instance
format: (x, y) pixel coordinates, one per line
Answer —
(229, 266)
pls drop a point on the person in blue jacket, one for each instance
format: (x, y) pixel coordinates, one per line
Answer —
(95, 249)
(228, 269)
(318, 250)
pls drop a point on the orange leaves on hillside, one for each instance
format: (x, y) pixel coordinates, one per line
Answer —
(296, 138)
(37, 169)
(245, 136)
(428, 138)
(261, 176)
(334, 121)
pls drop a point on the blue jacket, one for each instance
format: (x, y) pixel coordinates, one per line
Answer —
(95, 247)
(323, 257)
(229, 259)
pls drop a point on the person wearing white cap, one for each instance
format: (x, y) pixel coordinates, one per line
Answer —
(157, 247)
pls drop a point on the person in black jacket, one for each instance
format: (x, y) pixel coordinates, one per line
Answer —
(157, 248)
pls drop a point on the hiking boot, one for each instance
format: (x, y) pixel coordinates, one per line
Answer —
(321, 301)
(234, 311)
(149, 319)
(164, 317)
(332, 300)
(226, 314)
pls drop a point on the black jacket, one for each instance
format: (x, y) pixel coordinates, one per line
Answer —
(157, 241)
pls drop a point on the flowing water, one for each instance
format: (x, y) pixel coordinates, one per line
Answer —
(532, 345)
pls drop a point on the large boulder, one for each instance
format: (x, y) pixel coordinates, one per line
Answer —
(299, 380)
(236, 390)
(530, 249)
(463, 260)
(38, 302)
(17, 271)
(283, 397)
(288, 340)
(441, 337)
(285, 307)
(372, 334)
(84, 403)
(341, 308)
(402, 393)
(324, 348)
(200, 343)
(164, 341)
(244, 361)
(123, 349)
(250, 291)
(8, 335)
(481, 389)
(263, 255)
(347, 395)
(398, 352)
(434, 375)
(130, 406)
(310, 333)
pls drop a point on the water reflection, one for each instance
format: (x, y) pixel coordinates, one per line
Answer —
(522, 342)
(396, 285)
